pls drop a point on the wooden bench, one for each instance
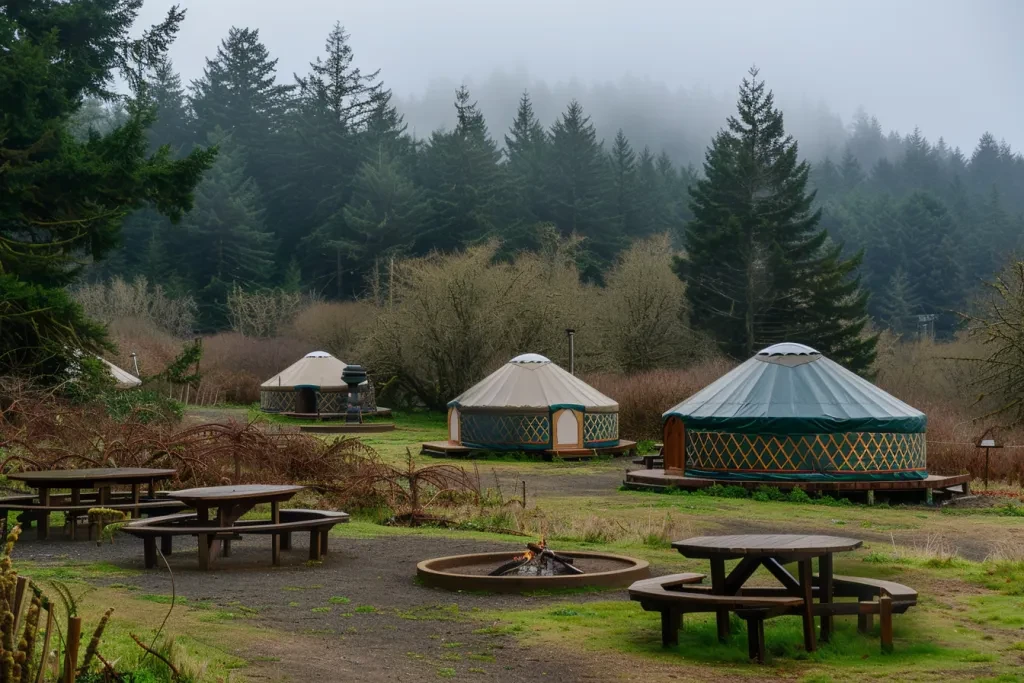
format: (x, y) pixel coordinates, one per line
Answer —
(317, 522)
(33, 512)
(650, 461)
(676, 595)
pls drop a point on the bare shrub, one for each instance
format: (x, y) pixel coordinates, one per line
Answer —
(644, 396)
(154, 347)
(642, 309)
(238, 364)
(448, 319)
(335, 327)
(118, 299)
(263, 313)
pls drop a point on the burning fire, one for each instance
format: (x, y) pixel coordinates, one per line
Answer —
(529, 554)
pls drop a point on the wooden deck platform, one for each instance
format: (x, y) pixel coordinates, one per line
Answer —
(344, 428)
(450, 449)
(329, 417)
(933, 485)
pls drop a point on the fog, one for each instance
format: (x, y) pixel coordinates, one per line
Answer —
(665, 70)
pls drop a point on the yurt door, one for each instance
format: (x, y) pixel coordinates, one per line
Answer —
(453, 425)
(305, 401)
(567, 430)
(674, 449)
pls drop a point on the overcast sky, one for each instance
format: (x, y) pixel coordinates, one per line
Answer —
(952, 67)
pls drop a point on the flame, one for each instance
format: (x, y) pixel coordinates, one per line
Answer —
(527, 556)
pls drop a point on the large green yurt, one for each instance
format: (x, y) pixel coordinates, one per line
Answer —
(529, 403)
(790, 413)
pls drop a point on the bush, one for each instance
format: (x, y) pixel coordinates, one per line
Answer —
(765, 494)
(118, 299)
(335, 327)
(798, 495)
(644, 396)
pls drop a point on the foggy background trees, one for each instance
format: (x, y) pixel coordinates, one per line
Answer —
(321, 181)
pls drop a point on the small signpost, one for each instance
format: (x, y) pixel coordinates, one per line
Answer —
(988, 441)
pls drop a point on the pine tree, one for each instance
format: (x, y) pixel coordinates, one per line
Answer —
(172, 123)
(62, 199)
(624, 187)
(464, 180)
(225, 241)
(901, 303)
(526, 153)
(850, 171)
(758, 269)
(576, 189)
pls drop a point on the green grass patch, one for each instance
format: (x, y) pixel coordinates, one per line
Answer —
(338, 600)
(366, 609)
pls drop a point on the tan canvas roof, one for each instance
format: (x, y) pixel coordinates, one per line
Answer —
(533, 381)
(122, 378)
(317, 369)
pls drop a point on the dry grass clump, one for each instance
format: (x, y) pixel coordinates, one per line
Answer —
(238, 364)
(644, 396)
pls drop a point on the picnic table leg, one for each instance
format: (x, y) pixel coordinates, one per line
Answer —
(135, 501)
(286, 540)
(152, 488)
(866, 619)
(76, 499)
(104, 495)
(204, 550)
(226, 518)
(43, 518)
(807, 593)
(149, 551)
(718, 588)
(885, 621)
(208, 545)
(755, 638)
(275, 543)
(167, 544)
(314, 544)
(323, 541)
(825, 590)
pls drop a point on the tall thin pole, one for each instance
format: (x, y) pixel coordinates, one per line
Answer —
(572, 350)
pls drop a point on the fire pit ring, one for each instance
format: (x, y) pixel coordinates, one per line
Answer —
(617, 571)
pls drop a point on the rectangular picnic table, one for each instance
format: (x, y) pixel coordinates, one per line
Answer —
(232, 502)
(773, 551)
(100, 479)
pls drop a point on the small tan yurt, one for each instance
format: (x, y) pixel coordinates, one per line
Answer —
(532, 404)
(312, 386)
(122, 378)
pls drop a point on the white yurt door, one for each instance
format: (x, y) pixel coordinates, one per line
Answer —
(567, 429)
(453, 425)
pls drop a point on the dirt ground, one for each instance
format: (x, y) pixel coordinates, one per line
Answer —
(409, 634)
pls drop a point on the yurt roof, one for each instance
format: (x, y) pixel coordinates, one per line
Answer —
(532, 381)
(793, 389)
(315, 370)
(122, 378)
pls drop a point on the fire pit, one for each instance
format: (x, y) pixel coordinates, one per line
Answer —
(539, 568)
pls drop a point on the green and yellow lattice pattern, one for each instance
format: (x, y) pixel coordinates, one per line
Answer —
(600, 428)
(506, 431)
(843, 453)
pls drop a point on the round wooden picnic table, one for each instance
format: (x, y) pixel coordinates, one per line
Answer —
(99, 478)
(232, 502)
(772, 551)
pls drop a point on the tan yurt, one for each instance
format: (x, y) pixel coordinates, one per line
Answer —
(532, 404)
(122, 378)
(312, 386)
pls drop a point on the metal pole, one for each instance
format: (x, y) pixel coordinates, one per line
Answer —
(572, 350)
(986, 468)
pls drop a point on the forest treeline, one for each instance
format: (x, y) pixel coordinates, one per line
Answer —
(318, 181)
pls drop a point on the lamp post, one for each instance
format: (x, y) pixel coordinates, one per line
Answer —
(988, 442)
(572, 350)
(353, 376)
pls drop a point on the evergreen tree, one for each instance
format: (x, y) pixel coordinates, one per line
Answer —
(576, 189)
(62, 199)
(850, 171)
(463, 179)
(526, 150)
(624, 182)
(758, 269)
(901, 304)
(172, 123)
(225, 241)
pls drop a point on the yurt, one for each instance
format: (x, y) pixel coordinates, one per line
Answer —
(789, 413)
(532, 404)
(122, 378)
(312, 385)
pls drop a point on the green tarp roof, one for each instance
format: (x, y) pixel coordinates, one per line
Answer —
(793, 389)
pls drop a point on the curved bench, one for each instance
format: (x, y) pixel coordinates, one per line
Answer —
(678, 594)
(317, 522)
(34, 512)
